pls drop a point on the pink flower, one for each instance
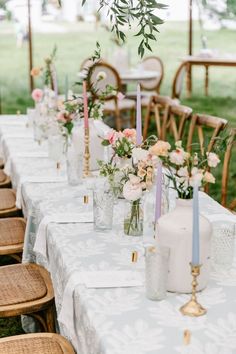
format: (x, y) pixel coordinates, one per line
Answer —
(161, 148)
(209, 178)
(61, 117)
(111, 136)
(129, 133)
(120, 96)
(212, 159)
(178, 157)
(132, 191)
(37, 95)
(196, 177)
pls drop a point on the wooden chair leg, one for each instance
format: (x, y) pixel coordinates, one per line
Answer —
(132, 118)
(118, 120)
(49, 315)
(147, 121)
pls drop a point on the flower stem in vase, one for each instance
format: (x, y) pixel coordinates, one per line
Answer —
(133, 222)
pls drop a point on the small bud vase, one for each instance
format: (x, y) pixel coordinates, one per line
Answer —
(133, 220)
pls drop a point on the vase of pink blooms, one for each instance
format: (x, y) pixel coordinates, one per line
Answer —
(131, 168)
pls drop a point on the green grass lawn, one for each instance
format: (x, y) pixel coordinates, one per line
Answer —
(77, 42)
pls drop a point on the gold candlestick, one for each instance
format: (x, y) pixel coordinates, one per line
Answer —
(192, 307)
(58, 165)
(86, 153)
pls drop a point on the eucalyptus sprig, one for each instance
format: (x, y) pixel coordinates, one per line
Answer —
(123, 13)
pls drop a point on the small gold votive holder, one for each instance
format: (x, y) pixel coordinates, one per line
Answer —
(187, 337)
(58, 165)
(192, 308)
(86, 199)
(134, 257)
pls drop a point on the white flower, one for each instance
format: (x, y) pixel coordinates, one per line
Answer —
(212, 159)
(209, 178)
(131, 191)
(178, 157)
(183, 172)
(139, 154)
(101, 76)
(178, 144)
(196, 177)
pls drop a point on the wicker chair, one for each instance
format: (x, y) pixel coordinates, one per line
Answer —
(112, 105)
(201, 123)
(5, 181)
(7, 204)
(12, 231)
(26, 289)
(36, 343)
(225, 174)
(178, 81)
(1, 163)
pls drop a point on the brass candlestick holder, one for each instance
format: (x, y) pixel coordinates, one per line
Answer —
(86, 153)
(192, 307)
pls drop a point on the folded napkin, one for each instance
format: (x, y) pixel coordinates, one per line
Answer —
(35, 179)
(7, 168)
(95, 279)
(84, 214)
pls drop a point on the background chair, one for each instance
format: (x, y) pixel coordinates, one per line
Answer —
(158, 108)
(207, 129)
(12, 231)
(5, 181)
(178, 81)
(8, 204)
(225, 174)
(26, 289)
(112, 105)
(1, 163)
(36, 343)
(176, 121)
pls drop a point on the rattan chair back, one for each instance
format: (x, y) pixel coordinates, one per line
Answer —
(178, 81)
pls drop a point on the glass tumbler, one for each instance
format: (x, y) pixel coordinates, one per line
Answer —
(156, 271)
(103, 204)
(222, 245)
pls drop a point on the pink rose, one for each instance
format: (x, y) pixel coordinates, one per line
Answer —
(120, 96)
(178, 157)
(111, 136)
(129, 133)
(37, 95)
(161, 148)
(61, 117)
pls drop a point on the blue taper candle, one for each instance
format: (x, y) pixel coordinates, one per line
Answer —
(195, 241)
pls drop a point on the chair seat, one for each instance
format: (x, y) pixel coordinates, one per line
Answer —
(123, 105)
(21, 283)
(7, 199)
(40, 343)
(1, 163)
(12, 232)
(3, 176)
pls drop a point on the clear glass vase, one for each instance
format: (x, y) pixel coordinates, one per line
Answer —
(74, 165)
(103, 203)
(156, 271)
(133, 220)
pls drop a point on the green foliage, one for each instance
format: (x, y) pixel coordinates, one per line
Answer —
(123, 13)
(229, 12)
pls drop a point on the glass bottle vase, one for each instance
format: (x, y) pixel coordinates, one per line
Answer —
(133, 219)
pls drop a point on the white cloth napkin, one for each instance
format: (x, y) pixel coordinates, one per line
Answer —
(7, 168)
(35, 179)
(95, 279)
(83, 215)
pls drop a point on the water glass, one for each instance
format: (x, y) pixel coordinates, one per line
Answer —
(31, 112)
(222, 245)
(156, 271)
(103, 204)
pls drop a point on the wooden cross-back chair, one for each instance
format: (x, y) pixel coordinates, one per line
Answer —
(225, 174)
(159, 108)
(178, 81)
(176, 120)
(112, 104)
(202, 124)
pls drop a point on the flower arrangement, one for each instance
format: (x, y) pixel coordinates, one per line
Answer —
(185, 169)
(47, 71)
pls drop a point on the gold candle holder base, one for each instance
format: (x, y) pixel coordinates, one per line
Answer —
(192, 307)
(86, 199)
(87, 172)
(58, 165)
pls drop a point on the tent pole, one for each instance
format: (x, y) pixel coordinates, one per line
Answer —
(31, 80)
(190, 47)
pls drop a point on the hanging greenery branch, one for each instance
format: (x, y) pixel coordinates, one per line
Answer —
(141, 13)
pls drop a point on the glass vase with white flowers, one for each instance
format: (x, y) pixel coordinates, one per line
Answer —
(131, 171)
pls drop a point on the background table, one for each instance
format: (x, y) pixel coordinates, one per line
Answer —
(118, 320)
(206, 62)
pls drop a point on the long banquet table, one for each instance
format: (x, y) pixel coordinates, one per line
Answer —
(117, 320)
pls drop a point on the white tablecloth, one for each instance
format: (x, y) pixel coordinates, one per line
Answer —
(118, 320)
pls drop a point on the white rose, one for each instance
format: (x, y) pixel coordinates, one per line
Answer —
(212, 159)
(183, 172)
(209, 178)
(132, 192)
(177, 157)
(139, 154)
(178, 144)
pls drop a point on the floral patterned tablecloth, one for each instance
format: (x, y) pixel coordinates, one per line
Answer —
(119, 320)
